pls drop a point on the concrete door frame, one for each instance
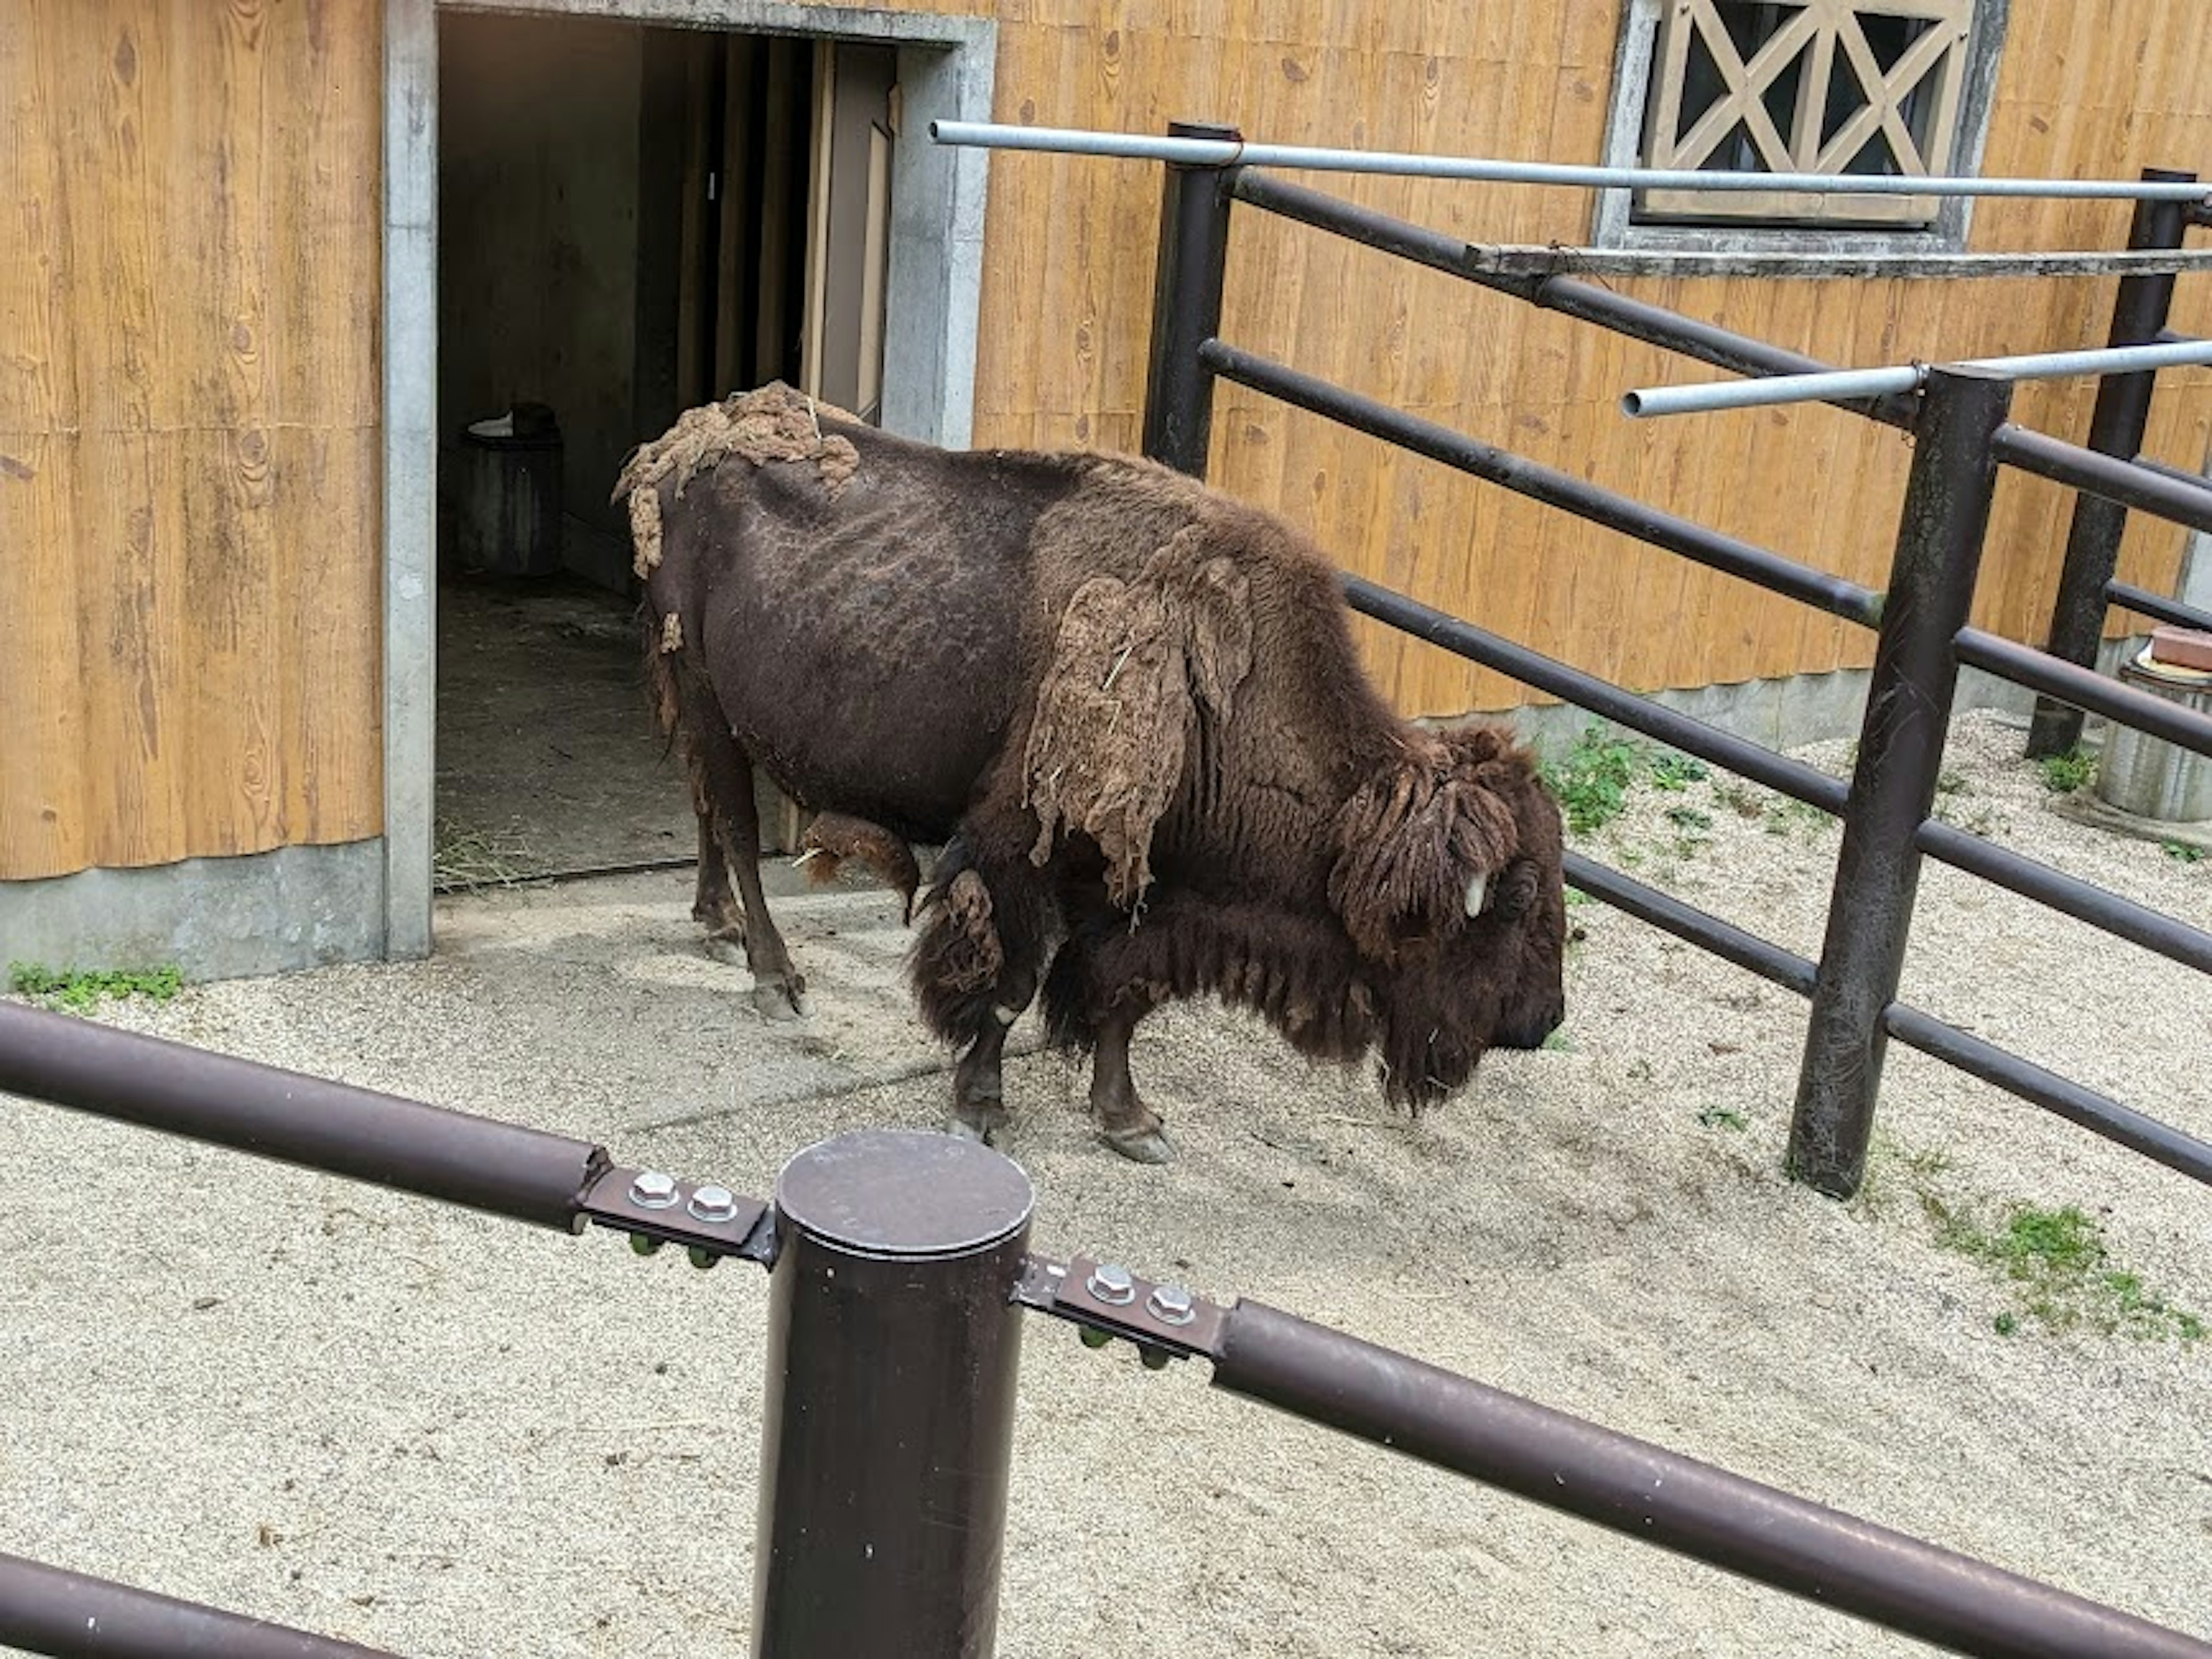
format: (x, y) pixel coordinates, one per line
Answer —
(945, 67)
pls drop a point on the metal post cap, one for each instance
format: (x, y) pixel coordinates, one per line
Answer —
(905, 1192)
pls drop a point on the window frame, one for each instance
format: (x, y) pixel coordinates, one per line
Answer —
(1613, 224)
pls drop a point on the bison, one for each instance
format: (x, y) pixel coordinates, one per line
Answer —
(1127, 707)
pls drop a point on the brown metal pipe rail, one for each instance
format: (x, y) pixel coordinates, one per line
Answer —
(475, 1162)
(2085, 688)
(2131, 483)
(1570, 296)
(1839, 596)
(2156, 606)
(2128, 482)
(71, 1615)
(1639, 1490)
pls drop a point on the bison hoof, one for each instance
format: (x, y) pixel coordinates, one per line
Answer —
(1141, 1144)
(780, 1000)
(967, 1131)
(728, 948)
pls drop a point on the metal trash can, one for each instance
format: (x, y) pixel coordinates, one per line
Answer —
(507, 498)
(2147, 777)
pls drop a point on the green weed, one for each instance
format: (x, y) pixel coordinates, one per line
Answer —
(85, 990)
(1673, 772)
(2064, 774)
(2060, 1273)
(1722, 1117)
(1689, 817)
(2181, 852)
(1590, 781)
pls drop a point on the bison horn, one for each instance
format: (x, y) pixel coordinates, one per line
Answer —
(1477, 890)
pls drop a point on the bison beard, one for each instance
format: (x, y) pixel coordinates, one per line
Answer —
(1176, 782)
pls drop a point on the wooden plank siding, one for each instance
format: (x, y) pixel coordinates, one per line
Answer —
(189, 453)
(189, 449)
(1069, 247)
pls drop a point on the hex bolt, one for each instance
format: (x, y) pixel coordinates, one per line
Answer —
(1171, 1304)
(653, 1191)
(714, 1204)
(1112, 1285)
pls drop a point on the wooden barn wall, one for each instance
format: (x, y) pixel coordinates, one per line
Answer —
(190, 459)
(189, 445)
(2086, 90)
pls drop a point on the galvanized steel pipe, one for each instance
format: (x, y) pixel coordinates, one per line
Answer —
(1215, 152)
(1835, 385)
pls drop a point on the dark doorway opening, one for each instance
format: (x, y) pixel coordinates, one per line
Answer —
(632, 220)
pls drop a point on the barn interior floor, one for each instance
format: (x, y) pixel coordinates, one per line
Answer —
(548, 761)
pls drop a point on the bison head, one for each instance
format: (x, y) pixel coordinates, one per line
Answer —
(1446, 876)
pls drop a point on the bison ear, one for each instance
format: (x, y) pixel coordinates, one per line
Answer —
(1417, 843)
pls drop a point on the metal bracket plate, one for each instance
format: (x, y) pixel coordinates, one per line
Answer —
(1163, 1320)
(708, 1220)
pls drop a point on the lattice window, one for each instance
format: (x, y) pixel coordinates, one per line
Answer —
(1806, 86)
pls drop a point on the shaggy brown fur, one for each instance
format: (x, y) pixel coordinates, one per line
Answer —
(1407, 838)
(772, 423)
(1129, 707)
(1134, 667)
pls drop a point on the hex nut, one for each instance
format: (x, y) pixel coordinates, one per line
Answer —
(714, 1204)
(1171, 1304)
(653, 1190)
(1112, 1285)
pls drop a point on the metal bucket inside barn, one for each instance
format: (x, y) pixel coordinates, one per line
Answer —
(508, 517)
(2147, 777)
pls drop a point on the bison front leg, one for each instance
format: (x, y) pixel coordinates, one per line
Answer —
(976, 969)
(1125, 1123)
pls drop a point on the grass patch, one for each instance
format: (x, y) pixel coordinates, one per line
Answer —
(1673, 772)
(1590, 781)
(1785, 815)
(1689, 817)
(2181, 852)
(84, 990)
(1722, 1117)
(2055, 1264)
(2064, 774)
(1558, 1043)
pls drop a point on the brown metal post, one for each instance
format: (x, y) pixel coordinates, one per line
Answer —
(1186, 283)
(1908, 713)
(2116, 428)
(893, 1345)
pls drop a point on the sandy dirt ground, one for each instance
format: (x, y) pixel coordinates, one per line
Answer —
(445, 1435)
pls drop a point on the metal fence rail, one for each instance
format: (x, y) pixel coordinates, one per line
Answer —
(899, 1265)
(73, 1615)
(1190, 146)
(1959, 418)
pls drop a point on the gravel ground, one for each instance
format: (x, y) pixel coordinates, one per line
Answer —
(445, 1435)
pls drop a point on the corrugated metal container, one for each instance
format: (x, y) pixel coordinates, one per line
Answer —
(2147, 777)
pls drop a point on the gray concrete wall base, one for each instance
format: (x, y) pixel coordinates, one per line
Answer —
(1802, 708)
(221, 918)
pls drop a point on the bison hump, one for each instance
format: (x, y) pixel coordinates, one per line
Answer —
(1134, 665)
